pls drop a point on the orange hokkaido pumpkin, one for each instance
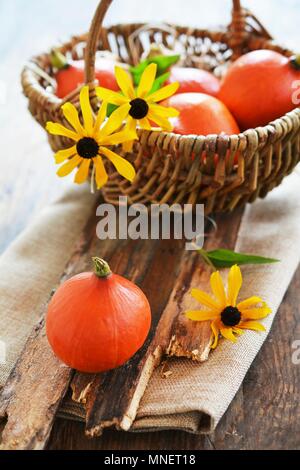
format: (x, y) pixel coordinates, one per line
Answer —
(70, 74)
(96, 321)
(193, 80)
(259, 86)
(201, 114)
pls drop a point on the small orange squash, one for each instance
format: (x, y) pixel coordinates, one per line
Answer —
(96, 321)
(193, 80)
(201, 114)
(259, 87)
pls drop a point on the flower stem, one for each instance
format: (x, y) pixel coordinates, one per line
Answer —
(206, 259)
(101, 268)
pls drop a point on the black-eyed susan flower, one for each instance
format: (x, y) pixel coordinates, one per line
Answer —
(228, 317)
(140, 105)
(91, 141)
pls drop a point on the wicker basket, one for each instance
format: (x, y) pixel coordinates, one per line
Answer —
(173, 168)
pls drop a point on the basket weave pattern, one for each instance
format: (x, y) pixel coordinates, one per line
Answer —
(222, 172)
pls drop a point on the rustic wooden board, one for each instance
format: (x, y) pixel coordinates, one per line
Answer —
(22, 195)
(263, 416)
(165, 272)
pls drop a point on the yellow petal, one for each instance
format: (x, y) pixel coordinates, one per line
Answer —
(63, 155)
(100, 117)
(256, 313)
(57, 129)
(83, 172)
(115, 120)
(251, 302)
(234, 285)
(215, 330)
(71, 114)
(205, 299)
(128, 146)
(200, 315)
(252, 325)
(147, 80)
(163, 93)
(118, 138)
(125, 83)
(164, 111)
(86, 109)
(123, 167)
(162, 122)
(228, 334)
(238, 331)
(145, 124)
(100, 173)
(111, 96)
(68, 167)
(217, 287)
(130, 124)
(129, 127)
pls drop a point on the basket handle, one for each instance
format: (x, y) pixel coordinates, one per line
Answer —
(238, 28)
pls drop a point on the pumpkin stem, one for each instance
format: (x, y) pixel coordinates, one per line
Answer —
(101, 268)
(58, 60)
(295, 61)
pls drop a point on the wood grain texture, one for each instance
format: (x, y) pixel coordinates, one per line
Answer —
(145, 263)
(112, 398)
(30, 400)
(28, 182)
(37, 385)
(264, 414)
(188, 339)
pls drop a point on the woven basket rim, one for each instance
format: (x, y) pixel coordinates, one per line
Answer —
(55, 103)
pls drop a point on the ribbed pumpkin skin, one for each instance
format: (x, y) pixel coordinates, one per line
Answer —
(94, 325)
(258, 88)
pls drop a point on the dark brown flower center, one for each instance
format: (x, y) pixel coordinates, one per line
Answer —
(231, 316)
(87, 147)
(139, 108)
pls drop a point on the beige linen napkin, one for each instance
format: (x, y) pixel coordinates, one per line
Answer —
(31, 267)
(195, 396)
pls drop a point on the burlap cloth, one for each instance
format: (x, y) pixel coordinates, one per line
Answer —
(195, 396)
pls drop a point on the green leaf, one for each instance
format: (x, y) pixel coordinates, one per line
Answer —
(160, 81)
(111, 108)
(156, 86)
(163, 63)
(226, 258)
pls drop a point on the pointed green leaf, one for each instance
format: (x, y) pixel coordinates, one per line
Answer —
(226, 258)
(163, 62)
(111, 108)
(160, 81)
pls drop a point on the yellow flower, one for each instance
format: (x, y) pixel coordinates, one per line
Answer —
(228, 317)
(140, 105)
(92, 139)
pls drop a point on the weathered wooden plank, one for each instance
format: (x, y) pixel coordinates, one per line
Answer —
(170, 333)
(189, 339)
(263, 415)
(32, 395)
(166, 273)
(104, 406)
(22, 195)
(39, 381)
